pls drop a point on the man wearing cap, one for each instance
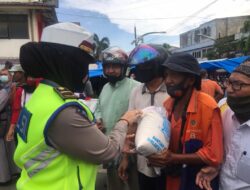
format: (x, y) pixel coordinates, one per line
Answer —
(235, 171)
(23, 91)
(59, 144)
(18, 74)
(196, 132)
(19, 79)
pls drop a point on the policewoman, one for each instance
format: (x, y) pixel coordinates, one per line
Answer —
(59, 144)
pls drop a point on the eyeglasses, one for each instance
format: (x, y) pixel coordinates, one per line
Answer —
(236, 85)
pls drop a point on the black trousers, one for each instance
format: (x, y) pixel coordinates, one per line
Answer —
(152, 183)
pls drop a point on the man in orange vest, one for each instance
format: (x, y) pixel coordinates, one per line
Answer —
(196, 131)
(210, 87)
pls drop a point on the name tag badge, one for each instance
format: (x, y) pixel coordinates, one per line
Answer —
(23, 124)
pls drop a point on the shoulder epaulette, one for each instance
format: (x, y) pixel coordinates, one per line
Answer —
(65, 93)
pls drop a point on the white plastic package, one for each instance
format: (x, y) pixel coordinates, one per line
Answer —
(153, 132)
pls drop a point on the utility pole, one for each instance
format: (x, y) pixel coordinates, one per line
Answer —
(135, 36)
(139, 39)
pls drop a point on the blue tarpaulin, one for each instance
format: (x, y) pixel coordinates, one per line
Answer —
(210, 65)
(227, 64)
(96, 72)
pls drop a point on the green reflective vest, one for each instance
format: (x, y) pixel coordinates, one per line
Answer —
(44, 167)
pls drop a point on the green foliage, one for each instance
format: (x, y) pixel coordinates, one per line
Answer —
(246, 27)
(224, 46)
(228, 47)
(166, 46)
(211, 54)
(247, 46)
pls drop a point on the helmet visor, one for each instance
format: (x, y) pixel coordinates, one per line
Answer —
(141, 54)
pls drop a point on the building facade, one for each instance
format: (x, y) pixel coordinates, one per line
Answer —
(22, 21)
(199, 40)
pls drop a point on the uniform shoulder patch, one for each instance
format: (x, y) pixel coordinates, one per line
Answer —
(65, 93)
(23, 124)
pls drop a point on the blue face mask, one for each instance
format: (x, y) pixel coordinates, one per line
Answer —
(4, 78)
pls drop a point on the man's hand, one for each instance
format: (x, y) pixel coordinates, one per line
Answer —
(10, 134)
(122, 170)
(129, 144)
(161, 159)
(205, 176)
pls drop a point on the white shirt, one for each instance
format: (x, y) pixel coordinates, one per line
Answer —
(141, 98)
(235, 172)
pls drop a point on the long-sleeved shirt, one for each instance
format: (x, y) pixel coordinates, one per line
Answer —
(141, 98)
(4, 97)
(113, 102)
(235, 171)
(73, 134)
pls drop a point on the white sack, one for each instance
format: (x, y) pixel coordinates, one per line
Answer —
(153, 132)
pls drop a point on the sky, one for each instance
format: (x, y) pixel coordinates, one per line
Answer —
(116, 19)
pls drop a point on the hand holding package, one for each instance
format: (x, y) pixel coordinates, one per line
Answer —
(153, 132)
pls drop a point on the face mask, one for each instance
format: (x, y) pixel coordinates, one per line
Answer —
(240, 106)
(144, 75)
(4, 78)
(177, 91)
(113, 79)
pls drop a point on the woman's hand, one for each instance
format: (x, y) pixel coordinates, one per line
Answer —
(132, 116)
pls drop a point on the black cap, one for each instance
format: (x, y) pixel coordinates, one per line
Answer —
(244, 68)
(184, 63)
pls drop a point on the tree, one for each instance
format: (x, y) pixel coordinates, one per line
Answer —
(247, 46)
(246, 27)
(223, 47)
(100, 45)
(166, 46)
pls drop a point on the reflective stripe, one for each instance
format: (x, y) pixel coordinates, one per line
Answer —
(37, 163)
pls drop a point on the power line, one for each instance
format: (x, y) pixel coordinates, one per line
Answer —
(186, 19)
(106, 18)
(193, 15)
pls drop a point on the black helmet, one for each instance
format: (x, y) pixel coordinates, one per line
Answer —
(147, 53)
(115, 55)
(148, 60)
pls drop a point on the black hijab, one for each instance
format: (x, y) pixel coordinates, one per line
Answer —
(65, 65)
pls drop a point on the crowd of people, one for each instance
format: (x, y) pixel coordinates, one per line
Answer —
(59, 142)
